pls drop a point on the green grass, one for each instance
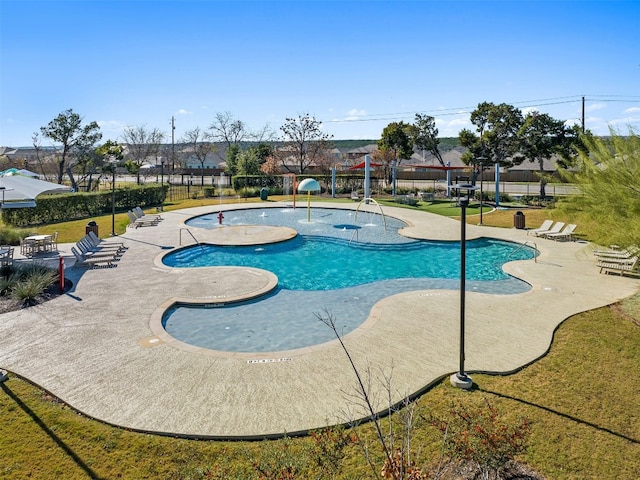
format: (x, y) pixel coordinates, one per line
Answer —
(581, 399)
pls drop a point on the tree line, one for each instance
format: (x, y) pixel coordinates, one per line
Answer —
(503, 136)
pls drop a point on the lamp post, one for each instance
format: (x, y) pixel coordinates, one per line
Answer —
(461, 379)
(113, 197)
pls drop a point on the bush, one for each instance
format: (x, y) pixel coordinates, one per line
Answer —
(407, 200)
(479, 436)
(12, 236)
(27, 283)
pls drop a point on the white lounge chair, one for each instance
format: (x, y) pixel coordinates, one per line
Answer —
(96, 241)
(91, 262)
(138, 212)
(629, 266)
(555, 229)
(546, 225)
(140, 222)
(88, 248)
(565, 234)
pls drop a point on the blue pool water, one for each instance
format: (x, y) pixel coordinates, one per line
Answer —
(340, 262)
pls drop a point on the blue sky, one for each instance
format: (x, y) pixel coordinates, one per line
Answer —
(354, 65)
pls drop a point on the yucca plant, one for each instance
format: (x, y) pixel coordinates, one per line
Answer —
(34, 279)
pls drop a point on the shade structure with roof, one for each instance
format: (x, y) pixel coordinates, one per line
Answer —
(20, 191)
(309, 185)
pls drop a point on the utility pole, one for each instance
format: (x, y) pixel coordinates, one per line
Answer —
(583, 114)
(173, 145)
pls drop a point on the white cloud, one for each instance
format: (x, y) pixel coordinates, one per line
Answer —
(632, 110)
(590, 107)
(182, 111)
(527, 110)
(355, 114)
(111, 129)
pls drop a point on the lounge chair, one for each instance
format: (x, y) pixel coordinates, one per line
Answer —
(6, 256)
(555, 229)
(138, 212)
(95, 240)
(565, 234)
(616, 252)
(88, 248)
(91, 262)
(622, 266)
(546, 225)
(140, 222)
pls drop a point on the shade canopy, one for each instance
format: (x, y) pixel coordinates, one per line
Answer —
(361, 165)
(309, 185)
(21, 191)
(439, 167)
(15, 171)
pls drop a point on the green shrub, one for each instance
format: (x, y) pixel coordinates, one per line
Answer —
(28, 289)
(7, 283)
(407, 200)
(26, 283)
(11, 236)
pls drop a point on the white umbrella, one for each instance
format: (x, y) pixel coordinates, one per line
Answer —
(19, 191)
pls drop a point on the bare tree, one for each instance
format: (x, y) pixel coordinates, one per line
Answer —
(142, 144)
(304, 141)
(199, 146)
(228, 130)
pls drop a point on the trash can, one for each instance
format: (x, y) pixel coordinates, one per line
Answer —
(264, 193)
(519, 220)
(91, 227)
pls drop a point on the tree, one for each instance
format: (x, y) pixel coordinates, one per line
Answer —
(271, 165)
(68, 130)
(196, 139)
(227, 129)
(232, 159)
(304, 141)
(426, 136)
(396, 143)
(607, 176)
(542, 137)
(142, 145)
(497, 139)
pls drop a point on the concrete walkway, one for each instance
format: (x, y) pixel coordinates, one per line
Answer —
(99, 347)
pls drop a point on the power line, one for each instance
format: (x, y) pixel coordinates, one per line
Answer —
(441, 112)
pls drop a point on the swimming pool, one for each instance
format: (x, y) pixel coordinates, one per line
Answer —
(339, 261)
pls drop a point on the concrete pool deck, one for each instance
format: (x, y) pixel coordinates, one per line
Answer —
(96, 347)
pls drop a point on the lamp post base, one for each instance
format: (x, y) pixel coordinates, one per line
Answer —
(459, 381)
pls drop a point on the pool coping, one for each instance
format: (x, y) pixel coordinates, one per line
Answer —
(94, 347)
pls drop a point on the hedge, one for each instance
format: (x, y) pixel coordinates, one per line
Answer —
(73, 206)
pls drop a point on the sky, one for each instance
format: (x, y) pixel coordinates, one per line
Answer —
(354, 65)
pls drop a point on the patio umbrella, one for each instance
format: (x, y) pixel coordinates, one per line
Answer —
(19, 191)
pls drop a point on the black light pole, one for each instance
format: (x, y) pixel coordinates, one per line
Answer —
(113, 198)
(461, 379)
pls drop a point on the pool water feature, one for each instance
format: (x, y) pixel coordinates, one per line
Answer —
(326, 268)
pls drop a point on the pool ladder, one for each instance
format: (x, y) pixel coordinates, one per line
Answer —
(527, 243)
(191, 235)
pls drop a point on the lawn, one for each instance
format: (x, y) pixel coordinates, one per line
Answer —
(580, 399)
